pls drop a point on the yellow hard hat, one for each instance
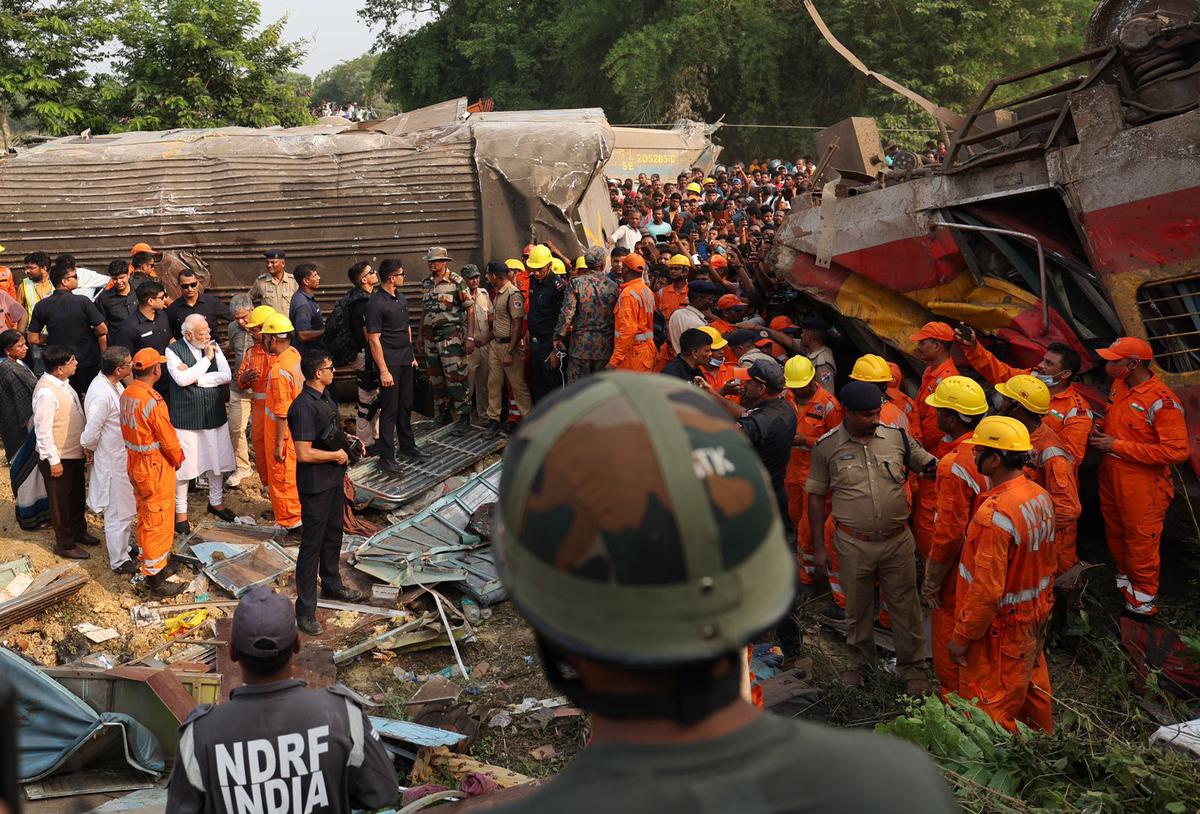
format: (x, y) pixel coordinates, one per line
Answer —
(581, 263)
(539, 257)
(718, 341)
(1027, 391)
(871, 368)
(958, 393)
(558, 266)
(259, 315)
(277, 324)
(1002, 433)
(680, 260)
(515, 265)
(708, 181)
(798, 371)
(694, 187)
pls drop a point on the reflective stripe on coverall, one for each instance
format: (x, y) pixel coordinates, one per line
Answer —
(819, 416)
(633, 328)
(926, 431)
(1005, 593)
(959, 485)
(257, 359)
(1135, 483)
(1054, 470)
(284, 383)
(153, 456)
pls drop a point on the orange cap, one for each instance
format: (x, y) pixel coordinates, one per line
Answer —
(147, 358)
(729, 301)
(934, 330)
(718, 261)
(779, 323)
(1127, 347)
(141, 247)
(634, 262)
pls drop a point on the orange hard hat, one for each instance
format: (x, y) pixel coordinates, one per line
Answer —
(934, 330)
(718, 261)
(1127, 347)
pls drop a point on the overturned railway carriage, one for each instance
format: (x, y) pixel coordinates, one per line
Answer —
(1070, 212)
(482, 185)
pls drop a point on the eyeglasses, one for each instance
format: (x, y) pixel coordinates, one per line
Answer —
(71, 277)
(323, 369)
(186, 286)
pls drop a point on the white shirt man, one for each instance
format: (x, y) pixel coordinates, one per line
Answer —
(196, 363)
(110, 491)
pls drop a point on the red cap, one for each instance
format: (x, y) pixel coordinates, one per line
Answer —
(634, 262)
(718, 261)
(147, 358)
(779, 323)
(729, 301)
(934, 330)
(1127, 347)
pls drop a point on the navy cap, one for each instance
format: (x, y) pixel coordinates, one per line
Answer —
(275, 254)
(741, 336)
(861, 397)
(497, 268)
(814, 324)
(264, 623)
(704, 287)
(769, 372)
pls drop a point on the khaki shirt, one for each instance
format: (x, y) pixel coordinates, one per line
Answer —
(510, 306)
(751, 356)
(483, 315)
(865, 480)
(278, 295)
(825, 367)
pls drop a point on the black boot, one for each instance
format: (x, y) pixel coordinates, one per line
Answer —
(493, 428)
(445, 417)
(463, 426)
(158, 585)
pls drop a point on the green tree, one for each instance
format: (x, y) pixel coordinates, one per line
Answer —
(202, 63)
(349, 81)
(44, 47)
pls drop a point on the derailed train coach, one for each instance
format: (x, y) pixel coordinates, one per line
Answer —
(1069, 211)
(481, 184)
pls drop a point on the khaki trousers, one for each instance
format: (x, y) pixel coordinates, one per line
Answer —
(893, 564)
(239, 417)
(498, 373)
(477, 382)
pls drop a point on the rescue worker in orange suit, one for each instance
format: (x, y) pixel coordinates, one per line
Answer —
(1051, 467)
(934, 341)
(875, 370)
(633, 327)
(284, 383)
(898, 397)
(252, 377)
(154, 455)
(817, 412)
(1069, 415)
(669, 299)
(1004, 591)
(720, 370)
(1143, 436)
(961, 404)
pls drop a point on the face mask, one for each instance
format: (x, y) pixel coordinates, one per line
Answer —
(1046, 379)
(1122, 372)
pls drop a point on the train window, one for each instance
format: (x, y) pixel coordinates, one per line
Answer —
(1170, 312)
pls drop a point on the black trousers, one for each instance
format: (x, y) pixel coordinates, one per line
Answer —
(395, 412)
(544, 379)
(66, 501)
(320, 547)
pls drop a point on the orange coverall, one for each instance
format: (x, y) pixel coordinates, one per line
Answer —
(1135, 483)
(671, 300)
(958, 485)
(820, 415)
(723, 328)
(926, 431)
(633, 331)
(1005, 593)
(257, 360)
(284, 383)
(153, 454)
(1054, 470)
(7, 285)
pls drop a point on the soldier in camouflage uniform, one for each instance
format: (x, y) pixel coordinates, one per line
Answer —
(446, 337)
(588, 316)
(639, 536)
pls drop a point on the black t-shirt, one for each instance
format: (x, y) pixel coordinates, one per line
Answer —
(771, 428)
(356, 316)
(545, 301)
(681, 369)
(116, 307)
(206, 305)
(69, 320)
(137, 332)
(309, 419)
(387, 316)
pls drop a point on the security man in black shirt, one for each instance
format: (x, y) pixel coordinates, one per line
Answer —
(546, 292)
(695, 352)
(148, 327)
(321, 461)
(70, 321)
(275, 745)
(119, 301)
(389, 343)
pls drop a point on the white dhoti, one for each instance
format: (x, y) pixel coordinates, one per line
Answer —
(110, 491)
(204, 451)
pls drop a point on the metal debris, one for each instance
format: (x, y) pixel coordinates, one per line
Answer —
(260, 565)
(46, 589)
(375, 488)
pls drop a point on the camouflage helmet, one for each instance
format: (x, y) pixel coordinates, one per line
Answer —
(636, 525)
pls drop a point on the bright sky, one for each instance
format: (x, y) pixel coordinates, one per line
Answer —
(334, 30)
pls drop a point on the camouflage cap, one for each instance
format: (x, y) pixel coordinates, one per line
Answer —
(469, 271)
(636, 525)
(595, 257)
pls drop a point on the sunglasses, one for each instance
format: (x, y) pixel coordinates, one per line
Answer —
(186, 286)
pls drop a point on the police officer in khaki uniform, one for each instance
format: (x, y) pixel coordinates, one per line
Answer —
(863, 465)
(276, 287)
(504, 353)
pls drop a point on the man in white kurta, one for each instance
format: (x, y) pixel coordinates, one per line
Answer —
(110, 492)
(199, 373)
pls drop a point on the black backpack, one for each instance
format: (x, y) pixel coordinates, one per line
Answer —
(343, 339)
